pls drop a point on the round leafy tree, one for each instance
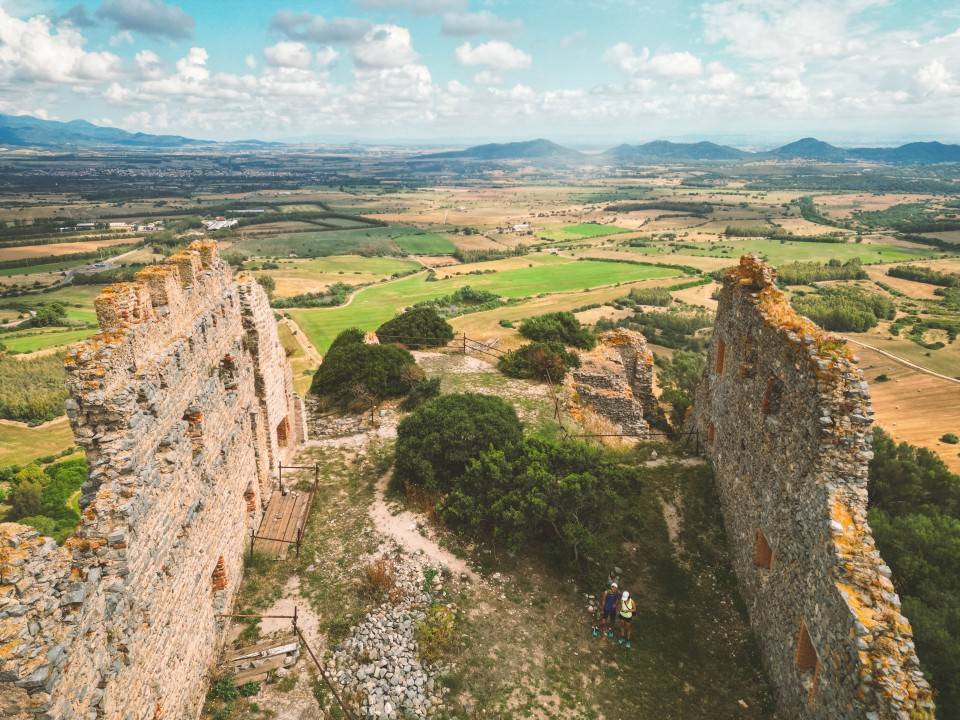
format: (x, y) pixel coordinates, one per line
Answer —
(418, 327)
(561, 327)
(547, 361)
(436, 441)
(358, 375)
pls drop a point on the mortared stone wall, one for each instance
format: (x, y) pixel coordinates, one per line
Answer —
(786, 417)
(184, 405)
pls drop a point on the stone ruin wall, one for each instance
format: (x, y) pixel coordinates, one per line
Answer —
(184, 405)
(787, 419)
(614, 382)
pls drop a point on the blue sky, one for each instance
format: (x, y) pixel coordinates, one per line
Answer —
(749, 72)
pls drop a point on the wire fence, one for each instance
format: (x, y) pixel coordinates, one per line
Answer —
(465, 344)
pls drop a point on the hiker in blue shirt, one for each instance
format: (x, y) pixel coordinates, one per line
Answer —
(608, 610)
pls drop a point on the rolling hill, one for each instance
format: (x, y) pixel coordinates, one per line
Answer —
(527, 150)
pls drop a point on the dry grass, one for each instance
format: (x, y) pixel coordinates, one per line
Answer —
(913, 407)
(842, 206)
(32, 251)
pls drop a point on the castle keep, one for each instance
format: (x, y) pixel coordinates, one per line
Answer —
(183, 403)
(787, 417)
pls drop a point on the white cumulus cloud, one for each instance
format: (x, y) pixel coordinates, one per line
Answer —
(384, 46)
(288, 53)
(496, 54)
(31, 51)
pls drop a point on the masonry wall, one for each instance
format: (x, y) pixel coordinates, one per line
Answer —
(178, 403)
(614, 382)
(787, 419)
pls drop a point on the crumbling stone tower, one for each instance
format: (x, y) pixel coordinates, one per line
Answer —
(614, 382)
(786, 415)
(183, 403)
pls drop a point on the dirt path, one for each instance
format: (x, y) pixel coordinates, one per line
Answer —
(406, 529)
(352, 295)
(902, 361)
(313, 355)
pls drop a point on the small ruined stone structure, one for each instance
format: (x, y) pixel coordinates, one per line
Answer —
(786, 415)
(184, 403)
(614, 382)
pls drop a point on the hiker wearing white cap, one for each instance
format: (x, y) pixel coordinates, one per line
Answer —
(627, 608)
(608, 610)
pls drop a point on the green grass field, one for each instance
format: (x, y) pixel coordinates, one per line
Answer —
(425, 244)
(43, 338)
(580, 232)
(780, 252)
(377, 304)
(295, 277)
(22, 445)
(48, 267)
(378, 240)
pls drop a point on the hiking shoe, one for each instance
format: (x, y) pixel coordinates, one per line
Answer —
(595, 632)
(628, 643)
(610, 635)
(620, 641)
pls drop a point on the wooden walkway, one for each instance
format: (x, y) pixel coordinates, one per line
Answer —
(255, 663)
(284, 518)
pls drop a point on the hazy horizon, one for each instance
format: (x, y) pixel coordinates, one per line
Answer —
(747, 73)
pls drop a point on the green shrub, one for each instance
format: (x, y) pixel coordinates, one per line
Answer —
(436, 633)
(350, 336)
(651, 296)
(358, 375)
(418, 327)
(32, 391)
(560, 327)
(548, 361)
(950, 438)
(420, 393)
(560, 493)
(845, 309)
(437, 440)
(506, 323)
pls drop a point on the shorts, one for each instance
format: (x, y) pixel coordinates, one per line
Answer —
(626, 619)
(608, 614)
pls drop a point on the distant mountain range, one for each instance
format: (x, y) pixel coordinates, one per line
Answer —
(26, 131)
(663, 151)
(528, 150)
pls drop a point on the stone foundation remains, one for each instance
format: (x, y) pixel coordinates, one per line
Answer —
(614, 382)
(184, 405)
(786, 415)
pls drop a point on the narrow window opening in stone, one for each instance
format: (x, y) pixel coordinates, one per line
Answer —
(711, 433)
(806, 659)
(771, 398)
(283, 432)
(721, 356)
(250, 497)
(762, 552)
(749, 361)
(218, 580)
